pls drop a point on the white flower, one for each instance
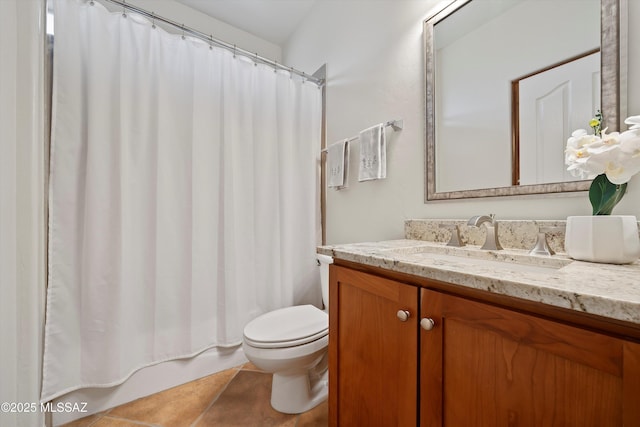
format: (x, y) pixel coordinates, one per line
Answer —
(577, 155)
(616, 154)
(634, 121)
(579, 139)
(620, 167)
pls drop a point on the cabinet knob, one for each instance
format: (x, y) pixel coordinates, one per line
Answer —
(403, 315)
(427, 324)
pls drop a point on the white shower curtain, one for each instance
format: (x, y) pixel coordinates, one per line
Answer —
(183, 197)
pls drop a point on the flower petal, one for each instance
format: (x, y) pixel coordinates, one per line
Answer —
(620, 170)
(633, 120)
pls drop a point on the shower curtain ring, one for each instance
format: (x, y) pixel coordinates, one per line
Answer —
(255, 63)
(211, 43)
(183, 37)
(153, 20)
(124, 11)
(234, 51)
(304, 78)
(275, 67)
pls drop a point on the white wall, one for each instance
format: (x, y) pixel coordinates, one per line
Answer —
(374, 56)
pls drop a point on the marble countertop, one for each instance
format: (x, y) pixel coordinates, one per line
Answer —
(612, 291)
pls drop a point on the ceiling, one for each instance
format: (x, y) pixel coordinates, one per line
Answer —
(271, 20)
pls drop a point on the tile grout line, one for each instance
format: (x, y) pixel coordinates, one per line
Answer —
(215, 399)
(100, 416)
(141, 423)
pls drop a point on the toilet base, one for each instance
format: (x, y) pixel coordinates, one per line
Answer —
(300, 379)
(295, 393)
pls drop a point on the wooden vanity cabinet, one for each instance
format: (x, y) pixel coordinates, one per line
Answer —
(373, 355)
(483, 365)
(480, 364)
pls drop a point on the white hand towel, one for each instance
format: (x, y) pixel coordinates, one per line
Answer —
(338, 164)
(373, 154)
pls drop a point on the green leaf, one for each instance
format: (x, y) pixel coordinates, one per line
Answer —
(604, 195)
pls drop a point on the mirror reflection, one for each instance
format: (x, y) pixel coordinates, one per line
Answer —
(507, 83)
(547, 105)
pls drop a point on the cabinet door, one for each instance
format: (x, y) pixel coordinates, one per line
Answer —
(486, 366)
(373, 355)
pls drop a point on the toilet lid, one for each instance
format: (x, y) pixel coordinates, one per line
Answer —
(287, 327)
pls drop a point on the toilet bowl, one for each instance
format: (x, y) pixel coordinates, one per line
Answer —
(292, 344)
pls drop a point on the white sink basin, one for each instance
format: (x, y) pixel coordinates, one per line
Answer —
(505, 261)
(444, 260)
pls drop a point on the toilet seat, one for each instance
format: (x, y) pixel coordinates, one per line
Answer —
(287, 327)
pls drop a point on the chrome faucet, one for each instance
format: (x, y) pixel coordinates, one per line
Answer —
(491, 242)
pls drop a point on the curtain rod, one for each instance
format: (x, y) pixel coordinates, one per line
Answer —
(211, 40)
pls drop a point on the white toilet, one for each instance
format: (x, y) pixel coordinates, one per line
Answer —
(292, 343)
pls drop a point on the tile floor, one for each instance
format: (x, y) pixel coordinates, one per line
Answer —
(235, 397)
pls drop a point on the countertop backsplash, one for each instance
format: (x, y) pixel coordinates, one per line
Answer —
(512, 234)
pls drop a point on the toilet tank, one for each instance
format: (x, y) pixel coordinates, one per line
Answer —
(324, 261)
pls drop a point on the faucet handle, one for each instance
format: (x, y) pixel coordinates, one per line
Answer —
(455, 239)
(542, 246)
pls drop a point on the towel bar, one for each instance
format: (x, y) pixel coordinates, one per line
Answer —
(395, 124)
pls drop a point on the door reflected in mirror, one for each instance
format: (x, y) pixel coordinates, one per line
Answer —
(547, 106)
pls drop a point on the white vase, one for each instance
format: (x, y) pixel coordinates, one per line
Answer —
(611, 239)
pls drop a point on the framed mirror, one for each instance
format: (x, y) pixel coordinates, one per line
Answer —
(507, 82)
